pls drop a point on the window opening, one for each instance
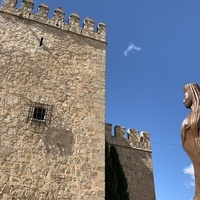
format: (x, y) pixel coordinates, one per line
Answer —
(41, 41)
(40, 113)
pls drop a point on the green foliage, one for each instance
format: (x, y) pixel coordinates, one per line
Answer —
(116, 183)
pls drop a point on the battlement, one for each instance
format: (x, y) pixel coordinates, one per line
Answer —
(25, 11)
(127, 137)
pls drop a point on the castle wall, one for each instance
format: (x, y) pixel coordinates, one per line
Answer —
(60, 68)
(135, 156)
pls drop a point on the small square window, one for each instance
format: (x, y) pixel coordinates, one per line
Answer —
(40, 113)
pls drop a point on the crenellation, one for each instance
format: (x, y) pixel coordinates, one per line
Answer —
(128, 137)
(9, 5)
(146, 141)
(74, 20)
(119, 131)
(73, 23)
(58, 14)
(43, 11)
(101, 29)
(88, 24)
(108, 131)
(132, 134)
(26, 8)
(133, 137)
(145, 135)
(58, 17)
(88, 28)
(25, 11)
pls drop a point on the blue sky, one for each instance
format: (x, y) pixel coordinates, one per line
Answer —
(153, 50)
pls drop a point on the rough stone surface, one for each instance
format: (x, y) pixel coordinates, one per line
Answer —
(135, 157)
(63, 159)
(61, 66)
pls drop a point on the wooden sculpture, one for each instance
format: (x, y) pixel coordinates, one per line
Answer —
(190, 131)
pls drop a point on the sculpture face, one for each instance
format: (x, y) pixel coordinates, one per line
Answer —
(187, 100)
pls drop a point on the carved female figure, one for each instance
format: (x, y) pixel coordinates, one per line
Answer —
(190, 131)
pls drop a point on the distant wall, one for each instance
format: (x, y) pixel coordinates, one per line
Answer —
(135, 156)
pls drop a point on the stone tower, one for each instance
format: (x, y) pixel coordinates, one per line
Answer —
(134, 152)
(52, 105)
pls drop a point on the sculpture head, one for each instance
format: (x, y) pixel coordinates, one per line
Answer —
(187, 100)
(192, 101)
(192, 95)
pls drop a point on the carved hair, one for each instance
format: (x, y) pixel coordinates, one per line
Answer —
(193, 90)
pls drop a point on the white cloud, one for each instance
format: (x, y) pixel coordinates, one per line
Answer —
(190, 171)
(131, 47)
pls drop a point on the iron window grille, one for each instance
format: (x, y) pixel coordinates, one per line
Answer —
(40, 113)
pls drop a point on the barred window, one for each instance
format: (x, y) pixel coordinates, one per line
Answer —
(40, 113)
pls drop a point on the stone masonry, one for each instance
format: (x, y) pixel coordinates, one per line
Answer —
(52, 110)
(135, 156)
(52, 105)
